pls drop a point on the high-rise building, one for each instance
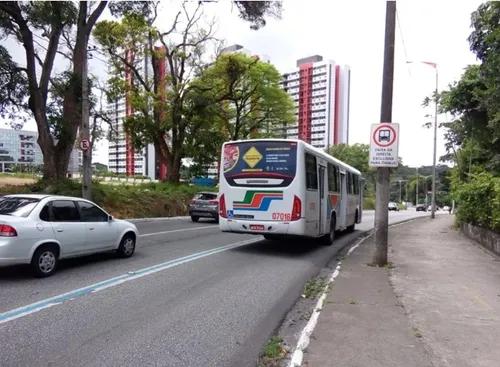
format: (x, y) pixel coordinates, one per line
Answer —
(321, 92)
(20, 148)
(123, 158)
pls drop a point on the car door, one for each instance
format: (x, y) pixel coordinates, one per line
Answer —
(101, 232)
(68, 227)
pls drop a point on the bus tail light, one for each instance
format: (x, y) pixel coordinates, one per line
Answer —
(222, 206)
(297, 208)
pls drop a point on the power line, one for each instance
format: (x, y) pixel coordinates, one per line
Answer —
(403, 41)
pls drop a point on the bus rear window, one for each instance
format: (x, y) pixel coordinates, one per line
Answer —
(260, 163)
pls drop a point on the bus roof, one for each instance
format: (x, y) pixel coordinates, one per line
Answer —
(319, 152)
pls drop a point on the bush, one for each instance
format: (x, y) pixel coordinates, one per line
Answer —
(479, 201)
(369, 203)
(122, 201)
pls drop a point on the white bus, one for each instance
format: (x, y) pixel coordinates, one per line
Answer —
(284, 187)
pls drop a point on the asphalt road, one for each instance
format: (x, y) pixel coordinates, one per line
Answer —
(184, 299)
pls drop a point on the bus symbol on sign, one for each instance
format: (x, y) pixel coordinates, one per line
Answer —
(384, 135)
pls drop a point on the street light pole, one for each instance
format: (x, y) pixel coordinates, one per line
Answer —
(433, 197)
(416, 190)
(433, 200)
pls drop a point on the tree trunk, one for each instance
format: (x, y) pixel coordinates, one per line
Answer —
(174, 168)
(55, 163)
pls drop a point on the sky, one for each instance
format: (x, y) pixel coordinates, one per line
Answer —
(352, 33)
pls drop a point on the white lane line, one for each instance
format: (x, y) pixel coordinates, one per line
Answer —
(112, 282)
(176, 230)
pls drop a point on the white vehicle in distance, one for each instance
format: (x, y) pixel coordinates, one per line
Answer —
(279, 188)
(42, 229)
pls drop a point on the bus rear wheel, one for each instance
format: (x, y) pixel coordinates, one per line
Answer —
(352, 227)
(329, 238)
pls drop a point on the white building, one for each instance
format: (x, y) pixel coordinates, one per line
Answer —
(321, 92)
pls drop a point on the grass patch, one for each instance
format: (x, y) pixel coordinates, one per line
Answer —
(18, 175)
(122, 201)
(416, 332)
(369, 203)
(313, 288)
(351, 301)
(389, 265)
(273, 353)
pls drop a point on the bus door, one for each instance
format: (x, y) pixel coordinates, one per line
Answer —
(322, 199)
(343, 201)
(361, 196)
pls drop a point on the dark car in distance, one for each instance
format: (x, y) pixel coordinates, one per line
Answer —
(204, 205)
(421, 208)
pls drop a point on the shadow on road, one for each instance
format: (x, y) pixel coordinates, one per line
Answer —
(294, 247)
(22, 272)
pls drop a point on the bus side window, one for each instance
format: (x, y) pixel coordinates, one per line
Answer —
(311, 172)
(332, 179)
(349, 183)
(337, 178)
(356, 184)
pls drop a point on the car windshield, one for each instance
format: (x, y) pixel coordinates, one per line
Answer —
(17, 206)
(205, 196)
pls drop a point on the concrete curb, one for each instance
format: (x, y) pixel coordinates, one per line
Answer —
(157, 219)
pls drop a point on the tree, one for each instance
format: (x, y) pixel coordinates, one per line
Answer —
(245, 97)
(256, 12)
(163, 115)
(55, 21)
(12, 98)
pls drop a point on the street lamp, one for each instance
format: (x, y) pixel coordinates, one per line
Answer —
(433, 198)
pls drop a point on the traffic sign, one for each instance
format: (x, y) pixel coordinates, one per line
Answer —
(384, 145)
(84, 144)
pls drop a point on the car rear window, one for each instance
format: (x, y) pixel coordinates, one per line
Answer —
(17, 206)
(205, 196)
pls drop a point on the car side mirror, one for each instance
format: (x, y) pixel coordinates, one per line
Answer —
(110, 218)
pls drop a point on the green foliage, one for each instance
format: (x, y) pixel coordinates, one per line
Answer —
(479, 201)
(123, 201)
(13, 91)
(256, 11)
(243, 99)
(369, 203)
(164, 109)
(53, 98)
(473, 135)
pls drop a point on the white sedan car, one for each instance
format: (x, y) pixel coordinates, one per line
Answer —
(42, 229)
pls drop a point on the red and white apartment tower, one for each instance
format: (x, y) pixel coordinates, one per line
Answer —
(321, 92)
(122, 157)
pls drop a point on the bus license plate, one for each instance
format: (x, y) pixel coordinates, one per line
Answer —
(257, 227)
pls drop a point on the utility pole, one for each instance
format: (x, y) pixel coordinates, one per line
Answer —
(87, 154)
(433, 198)
(383, 173)
(416, 190)
(400, 191)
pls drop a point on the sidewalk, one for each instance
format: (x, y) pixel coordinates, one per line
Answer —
(443, 308)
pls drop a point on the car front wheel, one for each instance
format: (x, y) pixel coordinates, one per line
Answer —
(127, 246)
